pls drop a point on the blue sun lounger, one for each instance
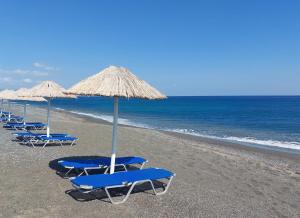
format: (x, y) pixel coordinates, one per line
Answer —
(14, 118)
(82, 166)
(4, 113)
(52, 139)
(106, 182)
(26, 126)
(25, 136)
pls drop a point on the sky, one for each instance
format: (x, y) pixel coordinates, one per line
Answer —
(201, 47)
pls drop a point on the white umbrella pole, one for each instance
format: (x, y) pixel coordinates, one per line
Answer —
(114, 135)
(48, 118)
(24, 116)
(1, 107)
(9, 114)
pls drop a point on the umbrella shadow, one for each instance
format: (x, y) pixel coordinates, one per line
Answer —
(116, 194)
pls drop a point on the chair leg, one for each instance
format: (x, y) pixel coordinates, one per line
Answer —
(72, 143)
(106, 170)
(47, 142)
(165, 188)
(32, 143)
(132, 187)
(142, 165)
(67, 173)
(84, 171)
(126, 196)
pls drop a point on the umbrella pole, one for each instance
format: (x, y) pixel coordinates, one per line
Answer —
(9, 114)
(1, 107)
(114, 135)
(48, 118)
(24, 116)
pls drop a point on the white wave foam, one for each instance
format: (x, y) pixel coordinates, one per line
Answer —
(59, 109)
(249, 140)
(281, 144)
(109, 119)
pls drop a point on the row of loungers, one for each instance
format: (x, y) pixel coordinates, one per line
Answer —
(85, 183)
(109, 182)
(34, 139)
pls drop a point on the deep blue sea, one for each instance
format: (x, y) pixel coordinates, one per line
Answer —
(272, 122)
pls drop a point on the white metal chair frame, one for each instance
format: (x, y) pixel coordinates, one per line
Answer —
(34, 142)
(131, 185)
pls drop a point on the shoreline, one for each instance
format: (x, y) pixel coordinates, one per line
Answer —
(263, 153)
(252, 146)
(261, 148)
(271, 148)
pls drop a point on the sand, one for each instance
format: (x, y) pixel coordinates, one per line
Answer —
(213, 179)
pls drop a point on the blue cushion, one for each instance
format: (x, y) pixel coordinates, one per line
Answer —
(56, 137)
(30, 134)
(102, 161)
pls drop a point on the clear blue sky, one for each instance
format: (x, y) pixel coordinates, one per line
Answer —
(211, 47)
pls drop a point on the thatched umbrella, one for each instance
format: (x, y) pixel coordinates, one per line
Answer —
(48, 90)
(2, 101)
(115, 82)
(20, 93)
(8, 95)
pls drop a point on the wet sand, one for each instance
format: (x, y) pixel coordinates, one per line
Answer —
(213, 178)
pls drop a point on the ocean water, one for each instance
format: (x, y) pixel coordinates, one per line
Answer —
(271, 122)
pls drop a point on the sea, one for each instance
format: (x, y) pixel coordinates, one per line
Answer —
(271, 122)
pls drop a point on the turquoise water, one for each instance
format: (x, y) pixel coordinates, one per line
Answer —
(263, 121)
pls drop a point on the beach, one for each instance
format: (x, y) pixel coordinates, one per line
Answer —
(213, 178)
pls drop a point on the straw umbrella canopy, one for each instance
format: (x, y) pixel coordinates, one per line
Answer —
(2, 99)
(20, 93)
(115, 82)
(7, 95)
(48, 90)
(1, 104)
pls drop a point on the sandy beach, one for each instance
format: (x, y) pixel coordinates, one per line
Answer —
(213, 179)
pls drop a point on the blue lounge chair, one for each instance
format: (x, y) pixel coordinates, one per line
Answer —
(25, 136)
(82, 166)
(52, 139)
(13, 118)
(106, 182)
(25, 126)
(3, 119)
(4, 113)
